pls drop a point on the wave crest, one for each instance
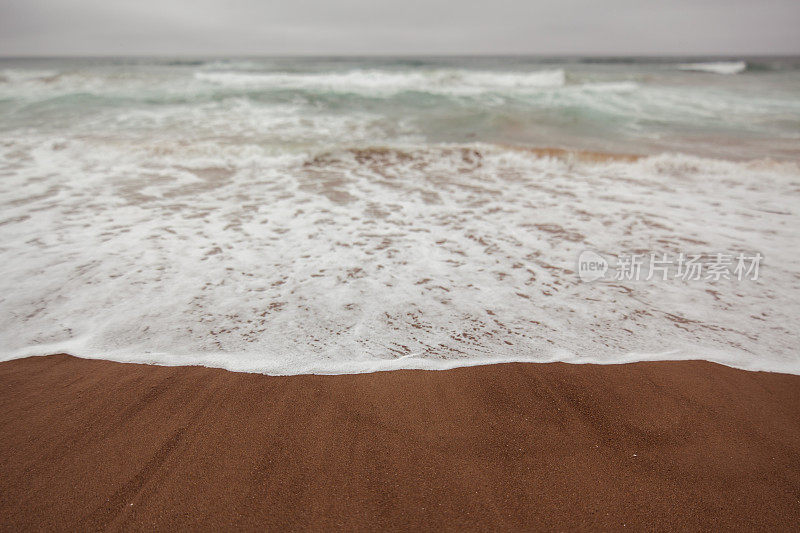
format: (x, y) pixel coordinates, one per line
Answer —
(716, 67)
(458, 82)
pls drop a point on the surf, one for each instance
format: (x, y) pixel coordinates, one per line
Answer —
(716, 67)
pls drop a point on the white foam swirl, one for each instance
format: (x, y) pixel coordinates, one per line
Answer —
(389, 82)
(369, 259)
(716, 67)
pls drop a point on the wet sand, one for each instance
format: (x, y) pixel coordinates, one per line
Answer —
(664, 445)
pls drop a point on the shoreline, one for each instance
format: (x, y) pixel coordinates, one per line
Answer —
(660, 445)
(405, 363)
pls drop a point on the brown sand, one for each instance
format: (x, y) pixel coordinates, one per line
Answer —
(95, 444)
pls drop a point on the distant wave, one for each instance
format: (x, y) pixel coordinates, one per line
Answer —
(610, 87)
(385, 81)
(717, 67)
(11, 75)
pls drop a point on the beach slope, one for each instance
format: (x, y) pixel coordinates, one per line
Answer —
(89, 444)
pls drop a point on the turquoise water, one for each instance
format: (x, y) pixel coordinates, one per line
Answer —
(729, 107)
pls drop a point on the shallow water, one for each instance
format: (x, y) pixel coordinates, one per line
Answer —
(343, 215)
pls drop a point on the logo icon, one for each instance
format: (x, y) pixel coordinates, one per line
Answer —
(591, 266)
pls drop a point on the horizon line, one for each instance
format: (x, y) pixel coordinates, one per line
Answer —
(395, 55)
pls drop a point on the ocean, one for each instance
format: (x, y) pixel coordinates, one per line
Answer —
(337, 215)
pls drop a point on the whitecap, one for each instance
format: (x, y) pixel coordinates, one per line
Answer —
(383, 82)
(716, 67)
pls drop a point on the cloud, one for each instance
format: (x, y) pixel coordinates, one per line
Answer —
(234, 27)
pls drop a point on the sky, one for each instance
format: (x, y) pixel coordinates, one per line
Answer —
(398, 27)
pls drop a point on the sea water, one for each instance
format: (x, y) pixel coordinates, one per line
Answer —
(334, 215)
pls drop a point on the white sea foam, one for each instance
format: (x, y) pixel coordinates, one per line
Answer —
(279, 125)
(389, 82)
(716, 67)
(15, 75)
(354, 260)
(238, 216)
(614, 87)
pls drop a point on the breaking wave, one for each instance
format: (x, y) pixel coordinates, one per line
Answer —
(389, 82)
(717, 67)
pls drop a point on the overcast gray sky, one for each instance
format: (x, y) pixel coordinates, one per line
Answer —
(327, 27)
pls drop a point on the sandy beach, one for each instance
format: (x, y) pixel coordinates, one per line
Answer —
(89, 444)
(361, 266)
